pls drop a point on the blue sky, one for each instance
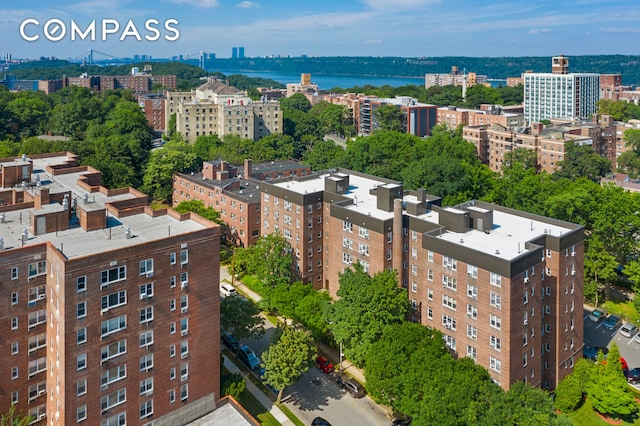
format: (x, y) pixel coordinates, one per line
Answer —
(411, 28)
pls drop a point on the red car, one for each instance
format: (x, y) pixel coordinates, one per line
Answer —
(323, 364)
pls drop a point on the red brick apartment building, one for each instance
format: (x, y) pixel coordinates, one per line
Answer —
(109, 309)
(504, 286)
(234, 192)
(494, 141)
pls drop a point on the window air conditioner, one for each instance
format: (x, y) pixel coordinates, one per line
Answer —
(41, 392)
(183, 332)
(149, 274)
(143, 296)
(573, 254)
(573, 272)
(526, 280)
(184, 355)
(184, 284)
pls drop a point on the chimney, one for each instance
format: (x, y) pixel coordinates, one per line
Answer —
(247, 168)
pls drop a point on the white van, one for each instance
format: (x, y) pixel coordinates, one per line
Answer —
(227, 290)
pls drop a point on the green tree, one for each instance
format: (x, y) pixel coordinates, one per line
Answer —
(618, 110)
(526, 157)
(232, 384)
(205, 145)
(241, 317)
(288, 358)
(608, 390)
(365, 305)
(197, 206)
(12, 418)
(599, 266)
(582, 161)
(297, 102)
(632, 270)
(163, 163)
(568, 393)
(323, 155)
(389, 117)
(269, 260)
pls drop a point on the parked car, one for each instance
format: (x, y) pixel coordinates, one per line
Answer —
(227, 290)
(633, 375)
(319, 421)
(352, 386)
(400, 422)
(263, 376)
(249, 357)
(323, 364)
(230, 341)
(611, 322)
(597, 315)
(592, 353)
(628, 330)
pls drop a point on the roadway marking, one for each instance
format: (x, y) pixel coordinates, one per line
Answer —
(599, 325)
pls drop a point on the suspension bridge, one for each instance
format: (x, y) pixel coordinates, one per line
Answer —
(94, 57)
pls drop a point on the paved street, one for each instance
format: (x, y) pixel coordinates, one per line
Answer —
(317, 394)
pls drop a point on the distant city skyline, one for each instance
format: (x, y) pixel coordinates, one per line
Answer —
(409, 28)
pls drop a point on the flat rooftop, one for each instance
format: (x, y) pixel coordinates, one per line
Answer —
(75, 241)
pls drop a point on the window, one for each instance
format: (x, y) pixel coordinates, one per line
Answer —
(37, 268)
(494, 343)
(113, 325)
(184, 371)
(14, 348)
(495, 364)
(414, 269)
(146, 339)
(450, 263)
(429, 256)
(113, 275)
(184, 349)
(524, 359)
(172, 351)
(81, 361)
(146, 291)
(414, 304)
(184, 392)
(363, 232)
(14, 372)
(146, 408)
(172, 305)
(414, 253)
(347, 242)
(35, 294)
(81, 412)
(472, 271)
(414, 235)
(472, 291)
(81, 335)
(429, 293)
(449, 282)
(172, 396)
(449, 302)
(472, 312)
(172, 258)
(172, 373)
(495, 279)
(414, 286)
(430, 275)
(113, 300)
(172, 328)
(346, 258)
(81, 283)
(14, 273)
(495, 321)
(347, 226)
(81, 387)
(146, 362)
(448, 322)
(184, 256)
(172, 281)
(472, 352)
(14, 298)
(113, 399)
(495, 299)
(472, 332)
(37, 342)
(146, 314)
(113, 350)
(113, 375)
(81, 310)
(429, 312)
(36, 318)
(184, 326)
(146, 267)
(146, 386)
(450, 341)
(363, 249)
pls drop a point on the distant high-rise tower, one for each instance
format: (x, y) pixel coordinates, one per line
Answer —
(560, 65)
(234, 53)
(560, 94)
(241, 52)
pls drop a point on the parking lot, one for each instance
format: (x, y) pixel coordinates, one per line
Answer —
(596, 335)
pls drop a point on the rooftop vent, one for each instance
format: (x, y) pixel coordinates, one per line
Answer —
(497, 251)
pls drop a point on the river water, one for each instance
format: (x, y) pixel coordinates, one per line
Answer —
(326, 82)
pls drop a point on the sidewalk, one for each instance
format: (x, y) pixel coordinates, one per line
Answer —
(257, 393)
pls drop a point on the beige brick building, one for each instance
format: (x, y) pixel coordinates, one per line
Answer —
(216, 108)
(108, 313)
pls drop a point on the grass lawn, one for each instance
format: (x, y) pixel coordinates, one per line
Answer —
(257, 410)
(586, 416)
(291, 416)
(625, 310)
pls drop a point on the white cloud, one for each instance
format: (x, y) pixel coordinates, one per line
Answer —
(247, 5)
(539, 30)
(398, 4)
(372, 42)
(619, 30)
(203, 4)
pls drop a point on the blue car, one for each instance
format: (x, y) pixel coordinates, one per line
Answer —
(611, 322)
(249, 357)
